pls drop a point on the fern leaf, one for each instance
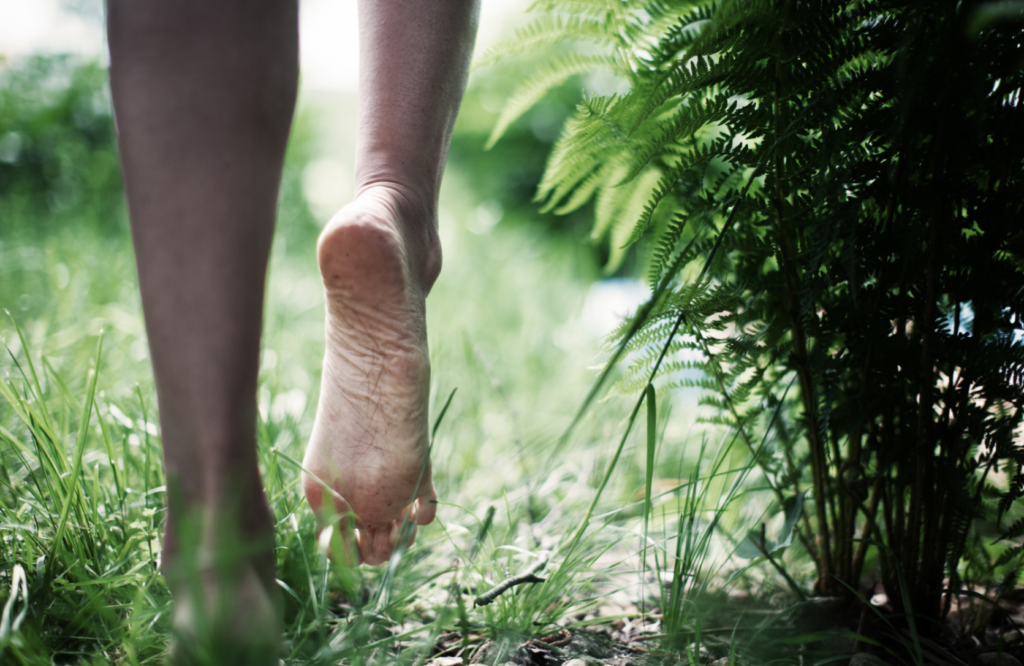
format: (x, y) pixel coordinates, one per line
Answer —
(545, 31)
(547, 77)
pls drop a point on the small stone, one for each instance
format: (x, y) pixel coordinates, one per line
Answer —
(996, 659)
(575, 662)
(445, 661)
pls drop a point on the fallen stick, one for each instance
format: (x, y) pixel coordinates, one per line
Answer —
(530, 576)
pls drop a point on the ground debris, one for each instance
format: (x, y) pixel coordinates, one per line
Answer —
(530, 576)
(445, 661)
(751, 630)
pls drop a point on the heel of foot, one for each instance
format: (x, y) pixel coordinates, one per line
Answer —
(231, 622)
(385, 221)
(359, 254)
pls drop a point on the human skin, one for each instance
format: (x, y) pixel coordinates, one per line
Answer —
(379, 257)
(204, 94)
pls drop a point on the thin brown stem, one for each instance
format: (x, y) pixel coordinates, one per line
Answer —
(924, 459)
(800, 353)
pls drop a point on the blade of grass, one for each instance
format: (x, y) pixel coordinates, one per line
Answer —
(83, 428)
(37, 387)
(144, 442)
(481, 534)
(440, 416)
(19, 587)
(905, 595)
(622, 443)
(652, 426)
(108, 445)
(36, 423)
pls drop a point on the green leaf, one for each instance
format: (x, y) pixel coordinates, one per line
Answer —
(793, 509)
(652, 432)
(83, 429)
(548, 76)
(748, 548)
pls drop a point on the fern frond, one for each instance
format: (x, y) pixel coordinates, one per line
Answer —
(547, 77)
(1016, 529)
(1008, 555)
(623, 227)
(592, 127)
(549, 30)
(683, 123)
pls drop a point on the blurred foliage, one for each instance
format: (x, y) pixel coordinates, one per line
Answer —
(510, 171)
(58, 158)
(832, 197)
(507, 172)
(58, 155)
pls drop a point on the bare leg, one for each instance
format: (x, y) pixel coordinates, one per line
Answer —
(378, 258)
(204, 94)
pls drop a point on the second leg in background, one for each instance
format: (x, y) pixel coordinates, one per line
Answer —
(204, 95)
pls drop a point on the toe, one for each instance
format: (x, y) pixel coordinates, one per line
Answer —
(383, 546)
(404, 526)
(370, 546)
(426, 506)
(339, 545)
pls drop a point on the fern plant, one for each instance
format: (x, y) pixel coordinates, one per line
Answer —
(829, 196)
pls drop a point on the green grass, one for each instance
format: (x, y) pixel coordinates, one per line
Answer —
(82, 488)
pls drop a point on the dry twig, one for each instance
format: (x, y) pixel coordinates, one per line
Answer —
(530, 576)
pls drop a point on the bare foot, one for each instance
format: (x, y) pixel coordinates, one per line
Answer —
(225, 619)
(378, 258)
(219, 564)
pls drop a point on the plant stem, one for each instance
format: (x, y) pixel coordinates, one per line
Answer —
(778, 567)
(800, 352)
(917, 571)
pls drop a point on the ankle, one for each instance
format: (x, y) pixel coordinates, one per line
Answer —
(233, 513)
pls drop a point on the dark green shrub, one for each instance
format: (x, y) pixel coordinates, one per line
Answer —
(58, 158)
(831, 197)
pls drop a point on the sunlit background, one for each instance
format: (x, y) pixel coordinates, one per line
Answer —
(330, 38)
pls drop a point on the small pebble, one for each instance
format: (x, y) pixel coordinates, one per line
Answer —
(575, 662)
(446, 661)
(996, 659)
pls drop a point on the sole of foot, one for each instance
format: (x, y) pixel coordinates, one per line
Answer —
(369, 447)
